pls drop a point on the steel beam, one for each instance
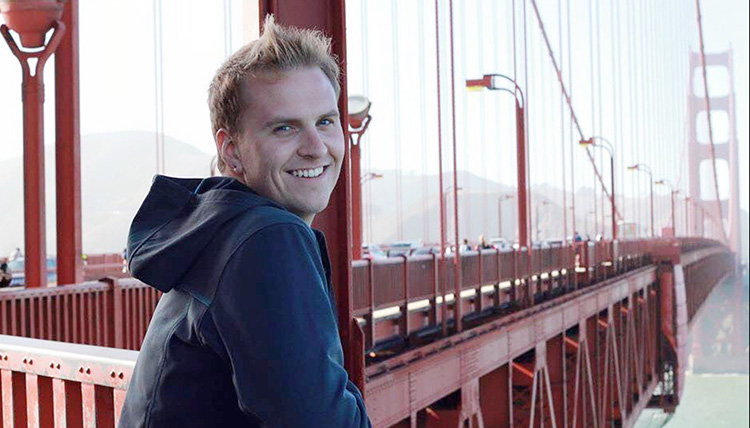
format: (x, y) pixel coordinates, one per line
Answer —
(407, 385)
(68, 151)
(336, 221)
(33, 152)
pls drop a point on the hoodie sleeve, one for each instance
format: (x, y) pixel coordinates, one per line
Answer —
(276, 327)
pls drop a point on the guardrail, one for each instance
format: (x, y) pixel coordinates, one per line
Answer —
(402, 301)
(52, 383)
(113, 312)
(399, 301)
(47, 383)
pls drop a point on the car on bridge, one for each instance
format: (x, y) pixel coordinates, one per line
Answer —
(403, 248)
(373, 251)
(17, 269)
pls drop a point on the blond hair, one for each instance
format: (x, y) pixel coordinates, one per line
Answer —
(278, 49)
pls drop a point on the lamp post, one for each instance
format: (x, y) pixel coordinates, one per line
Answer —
(501, 82)
(609, 147)
(500, 213)
(32, 20)
(645, 169)
(358, 119)
(672, 192)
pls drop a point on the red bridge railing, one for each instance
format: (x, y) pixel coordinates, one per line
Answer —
(397, 300)
(112, 312)
(45, 383)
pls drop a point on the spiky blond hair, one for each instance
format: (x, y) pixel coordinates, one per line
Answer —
(278, 49)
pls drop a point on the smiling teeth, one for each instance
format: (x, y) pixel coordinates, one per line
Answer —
(308, 173)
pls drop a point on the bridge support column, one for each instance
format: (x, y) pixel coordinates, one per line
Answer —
(471, 411)
(329, 17)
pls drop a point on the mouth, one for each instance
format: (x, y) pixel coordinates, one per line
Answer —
(308, 173)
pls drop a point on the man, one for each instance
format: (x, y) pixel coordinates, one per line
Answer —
(245, 334)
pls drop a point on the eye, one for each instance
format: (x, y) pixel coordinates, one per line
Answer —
(325, 122)
(282, 129)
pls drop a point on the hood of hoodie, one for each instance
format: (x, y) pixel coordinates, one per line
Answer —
(178, 219)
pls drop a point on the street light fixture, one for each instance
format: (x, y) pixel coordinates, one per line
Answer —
(501, 82)
(609, 147)
(32, 20)
(358, 108)
(359, 117)
(645, 169)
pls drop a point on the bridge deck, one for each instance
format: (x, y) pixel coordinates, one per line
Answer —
(593, 334)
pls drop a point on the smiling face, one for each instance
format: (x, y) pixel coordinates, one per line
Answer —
(291, 145)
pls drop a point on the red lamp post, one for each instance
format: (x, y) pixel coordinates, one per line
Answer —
(608, 146)
(501, 82)
(359, 119)
(32, 19)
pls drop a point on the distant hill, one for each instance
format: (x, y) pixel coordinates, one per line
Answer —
(116, 173)
(117, 169)
(478, 209)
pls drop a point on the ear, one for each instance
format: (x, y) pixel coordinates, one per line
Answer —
(227, 148)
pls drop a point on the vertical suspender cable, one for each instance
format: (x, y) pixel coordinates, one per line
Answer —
(562, 134)
(639, 100)
(515, 79)
(444, 306)
(526, 119)
(458, 309)
(423, 120)
(366, 88)
(592, 77)
(570, 128)
(617, 82)
(159, 87)
(600, 115)
(483, 128)
(564, 179)
(635, 181)
(397, 119)
(466, 206)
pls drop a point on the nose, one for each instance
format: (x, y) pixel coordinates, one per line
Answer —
(312, 145)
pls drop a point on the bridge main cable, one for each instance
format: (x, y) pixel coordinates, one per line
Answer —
(570, 104)
(707, 104)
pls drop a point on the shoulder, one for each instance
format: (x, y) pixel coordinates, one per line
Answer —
(269, 226)
(249, 242)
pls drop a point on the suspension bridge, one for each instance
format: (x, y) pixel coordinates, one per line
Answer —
(590, 116)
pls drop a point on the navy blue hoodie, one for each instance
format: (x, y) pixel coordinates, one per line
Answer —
(245, 334)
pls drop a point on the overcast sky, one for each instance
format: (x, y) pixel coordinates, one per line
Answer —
(118, 75)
